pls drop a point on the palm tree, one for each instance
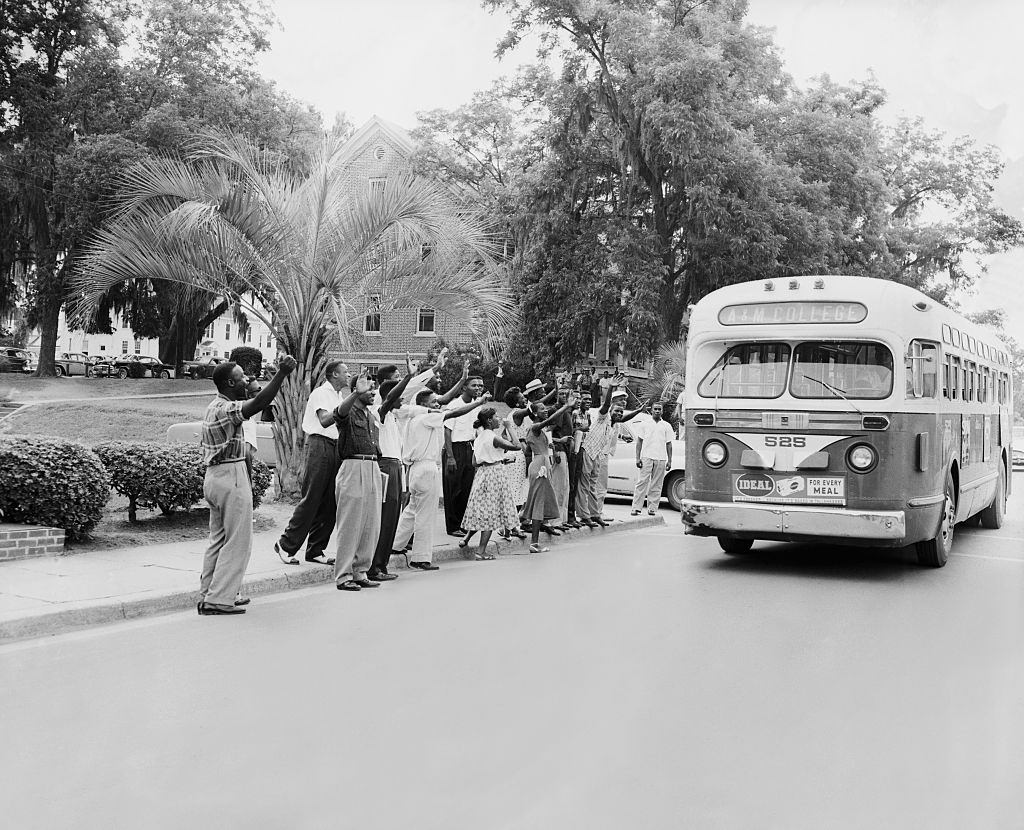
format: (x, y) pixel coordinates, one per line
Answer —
(668, 376)
(301, 252)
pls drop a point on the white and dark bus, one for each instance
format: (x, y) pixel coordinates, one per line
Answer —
(845, 410)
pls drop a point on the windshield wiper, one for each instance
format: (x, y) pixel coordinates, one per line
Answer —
(836, 391)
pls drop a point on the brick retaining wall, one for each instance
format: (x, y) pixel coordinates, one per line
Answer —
(24, 541)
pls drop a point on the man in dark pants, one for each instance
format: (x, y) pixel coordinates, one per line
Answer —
(390, 439)
(457, 461)
(312, 521)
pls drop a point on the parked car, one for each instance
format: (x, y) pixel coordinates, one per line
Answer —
(622, 471)
(190, 433)
(1017, 459)
(14, 360)
(74, 363)
(135, 366)
(202, 368)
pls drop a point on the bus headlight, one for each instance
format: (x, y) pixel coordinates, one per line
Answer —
(861, 458)
(715, 453)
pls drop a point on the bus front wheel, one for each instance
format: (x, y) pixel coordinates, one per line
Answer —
(730, 544)
(992, 516)
(933, 553)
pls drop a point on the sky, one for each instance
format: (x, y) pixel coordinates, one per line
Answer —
(958, 65)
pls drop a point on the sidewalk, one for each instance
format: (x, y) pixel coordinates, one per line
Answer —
(53, 594)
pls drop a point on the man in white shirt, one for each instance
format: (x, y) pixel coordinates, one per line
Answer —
(421, 451)
(457, 461)
(653, 457)
(312, 521)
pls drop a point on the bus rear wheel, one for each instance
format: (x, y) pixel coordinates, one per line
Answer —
(933, 553)
(730, 544)
(992, 516)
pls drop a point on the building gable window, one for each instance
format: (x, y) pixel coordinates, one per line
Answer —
(371, 322)
(124, 347)
(227, 331)
(425, 321)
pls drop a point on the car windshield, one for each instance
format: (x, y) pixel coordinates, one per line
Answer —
(849, 369)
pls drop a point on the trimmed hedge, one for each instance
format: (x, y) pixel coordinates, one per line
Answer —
(47, 481)
(167, 476)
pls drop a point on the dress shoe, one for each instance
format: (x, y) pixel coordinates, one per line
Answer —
(349, 585)
(381, 576)
(367, 583)
(634, 512)
(243, 601)
(597, 520)
(423, 566)
(652, 512)
(457, 533)
(208, 610)
(285, 557)
(588, 523)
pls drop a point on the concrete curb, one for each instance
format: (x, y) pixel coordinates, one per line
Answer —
(72, 619)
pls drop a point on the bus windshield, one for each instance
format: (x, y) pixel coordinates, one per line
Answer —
(854, 369)
(821, 369)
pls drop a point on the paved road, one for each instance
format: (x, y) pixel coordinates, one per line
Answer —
(640, 681)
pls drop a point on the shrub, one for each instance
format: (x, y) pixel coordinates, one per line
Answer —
(166, 476)
(51, 482)
(261, 477)
(152, 475)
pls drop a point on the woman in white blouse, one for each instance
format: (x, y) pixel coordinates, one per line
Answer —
(491, 505)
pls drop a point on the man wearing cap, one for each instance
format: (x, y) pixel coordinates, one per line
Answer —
(599, 444)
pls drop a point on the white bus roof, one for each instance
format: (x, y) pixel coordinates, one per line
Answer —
(889, 308)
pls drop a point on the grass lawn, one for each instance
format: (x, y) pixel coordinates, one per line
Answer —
(92, 422)
(22, 388)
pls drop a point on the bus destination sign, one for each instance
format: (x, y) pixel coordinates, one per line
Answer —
(791, 313)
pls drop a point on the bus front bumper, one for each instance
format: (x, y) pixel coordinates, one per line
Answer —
(707, 518)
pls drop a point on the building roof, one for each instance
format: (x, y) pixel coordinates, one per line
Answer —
(372, 131)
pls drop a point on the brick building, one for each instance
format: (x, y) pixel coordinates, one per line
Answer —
(376, 151)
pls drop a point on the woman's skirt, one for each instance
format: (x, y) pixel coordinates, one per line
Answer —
(560, 484)
(491, 505)
(540, 500)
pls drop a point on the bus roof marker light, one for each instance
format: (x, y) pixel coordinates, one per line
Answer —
(769, 286)
(794, 285)
(921, 305)
(819, 285)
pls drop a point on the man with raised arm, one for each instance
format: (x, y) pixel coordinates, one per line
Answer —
(457, 458)
(312, 520)
(422, 452)
(226, 485)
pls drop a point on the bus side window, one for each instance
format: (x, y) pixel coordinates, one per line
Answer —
(922, 370)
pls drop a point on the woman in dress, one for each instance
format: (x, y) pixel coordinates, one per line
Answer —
(491, 505)
(541, 505)
(516, 424)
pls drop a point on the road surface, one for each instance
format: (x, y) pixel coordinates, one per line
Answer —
(639, 680)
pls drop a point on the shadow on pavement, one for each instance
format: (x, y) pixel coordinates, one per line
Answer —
(822, 561)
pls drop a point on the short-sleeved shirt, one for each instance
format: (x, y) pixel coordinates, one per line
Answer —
(602, 436)
(390, 434)
(655, 435)
(222, 437)
(424, 434)
(462, 426)
(324, 397)
(484, 451)
(357, 433)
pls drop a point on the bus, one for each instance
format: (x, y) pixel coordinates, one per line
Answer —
(843, 410)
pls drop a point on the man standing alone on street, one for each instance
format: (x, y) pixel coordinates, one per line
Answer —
(312, 521)
(653, 458)
(226, 485)
(458, 455)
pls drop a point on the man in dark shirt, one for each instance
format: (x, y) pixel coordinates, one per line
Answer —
(358, 487)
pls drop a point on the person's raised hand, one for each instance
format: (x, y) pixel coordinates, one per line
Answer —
(485, 397)
(286, 364)
(619, 380)
(465, 368)
(442, 356)
(363, 382)
(410, 367)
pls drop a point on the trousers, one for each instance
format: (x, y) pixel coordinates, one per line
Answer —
(358, 493)
(227, 490)
(560, 483)
(457, 484)
(418, 515)
(593, 485)
(389, 513)
(574, 483)
(648, 483)
(312, 520)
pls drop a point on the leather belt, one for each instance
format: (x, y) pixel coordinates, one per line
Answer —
(359, 457)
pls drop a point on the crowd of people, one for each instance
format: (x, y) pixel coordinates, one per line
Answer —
(380, 450)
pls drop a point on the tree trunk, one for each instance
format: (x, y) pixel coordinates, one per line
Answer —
(48, 316)
(289, 438)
